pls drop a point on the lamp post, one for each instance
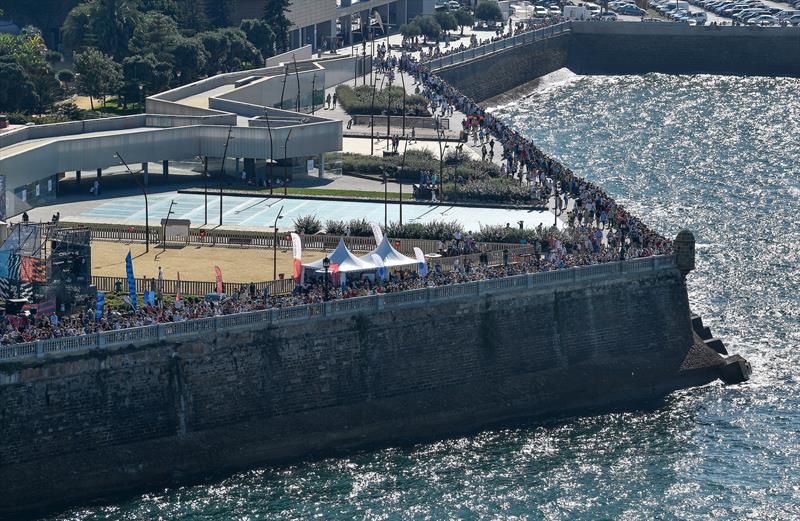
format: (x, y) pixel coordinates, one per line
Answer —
(275, 245)
(146, 212)
(205, 189)
(385, 198)
(442, 148)
(326, 264)
(166, 225)
(141, 97)
(222, 172)
(285, 162)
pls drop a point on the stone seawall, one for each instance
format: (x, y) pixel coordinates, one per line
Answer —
(110, 421)
(631, 48)
(673, 48)
(491, 75)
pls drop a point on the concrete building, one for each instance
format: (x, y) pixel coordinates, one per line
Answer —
(264, 119)
(324, 24)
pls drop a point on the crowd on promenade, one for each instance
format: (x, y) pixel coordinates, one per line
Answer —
(599, 230)
(555, 250)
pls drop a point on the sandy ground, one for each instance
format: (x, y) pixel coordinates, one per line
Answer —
(194, 263)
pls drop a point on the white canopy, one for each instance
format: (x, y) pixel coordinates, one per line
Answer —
(345, 259)
(391, 257)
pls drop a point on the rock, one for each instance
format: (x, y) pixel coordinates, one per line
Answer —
(736, 370)
(715, 344)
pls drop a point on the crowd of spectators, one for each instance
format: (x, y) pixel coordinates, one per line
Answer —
(599, 230)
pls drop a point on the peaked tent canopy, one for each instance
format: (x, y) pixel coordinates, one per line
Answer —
(345, 259)
(391, 257)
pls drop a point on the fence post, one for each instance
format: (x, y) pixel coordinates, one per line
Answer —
(39, 349)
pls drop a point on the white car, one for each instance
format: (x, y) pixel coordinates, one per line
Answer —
(555, 10)
(540, 11)
(763, 20)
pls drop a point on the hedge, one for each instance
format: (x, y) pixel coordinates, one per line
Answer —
(358, 101)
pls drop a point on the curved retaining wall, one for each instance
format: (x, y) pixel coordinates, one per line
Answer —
(392, 368)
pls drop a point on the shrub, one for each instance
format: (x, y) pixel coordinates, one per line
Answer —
(336, 227)
(358, 101)
(405, 231)
(488, 11)
(307, 224)
(360, 228)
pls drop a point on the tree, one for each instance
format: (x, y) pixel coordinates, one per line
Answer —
(410, 30)
(219, 12)
(28, 81)
(17, 91)
(155, 34)
(464, 18)
(488, 11)
(260, 34)
(98, 74)
(275, 16)
(65, 76)
(105, 24)
(190, 58)
(429, 27)
(447, 21)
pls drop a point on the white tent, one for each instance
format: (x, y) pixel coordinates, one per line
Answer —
(345, 259)
(391, 257)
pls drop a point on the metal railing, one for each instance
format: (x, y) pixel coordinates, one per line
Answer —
(140, 335)
(499, 45)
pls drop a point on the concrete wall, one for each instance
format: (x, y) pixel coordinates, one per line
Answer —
(675, 48)
(107, 421)
(494, 74)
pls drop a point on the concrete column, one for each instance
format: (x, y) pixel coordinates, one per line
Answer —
(165, 167)
(146, 172)
(78, 176)
(250, 166)
(314, 45)
(99, 173)
(238, 168)
(321, 164)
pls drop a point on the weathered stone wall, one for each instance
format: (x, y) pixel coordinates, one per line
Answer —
(109, 421)
(674, 48)
(632, 48)
(494, 74)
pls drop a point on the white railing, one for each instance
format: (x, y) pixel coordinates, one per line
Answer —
(143, 335)
(491, 47)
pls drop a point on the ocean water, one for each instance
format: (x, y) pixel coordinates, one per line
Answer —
(717, 155)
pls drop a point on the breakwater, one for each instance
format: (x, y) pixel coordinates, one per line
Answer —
(621, 48)
(281, 384)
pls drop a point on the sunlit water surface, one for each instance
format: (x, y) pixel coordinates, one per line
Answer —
(715, 154)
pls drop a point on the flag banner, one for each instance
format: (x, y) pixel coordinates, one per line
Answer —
(178, 289)
(13, 267)
(297, 254)
(376, 232)
(335, 273)
(381, 268)
(101, 300)
(32, 269)
(218, 273)
(131, 281)
(421, 264)
(45, 308)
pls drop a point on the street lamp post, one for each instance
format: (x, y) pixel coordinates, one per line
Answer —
(326, 264)
(275, 245)
(222, 172)
(146, 211)
(141, 97)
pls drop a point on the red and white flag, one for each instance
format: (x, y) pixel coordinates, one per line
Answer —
(297, 254)
(218, 273)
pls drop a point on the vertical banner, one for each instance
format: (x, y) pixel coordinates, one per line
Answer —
(297, 253)
(381, 267)
(101, 300)
(178, 289)
(421, 264)
(131, 281)
(335, 273)
(2, 198)
(218, 273)
(376, 232)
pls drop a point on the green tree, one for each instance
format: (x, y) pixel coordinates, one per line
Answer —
(65, 76)
(488, 11)
(155, 34)
(464, 19)
(260, 34)
(97, 73)
(410, 30)
(275, 16)
(105, 24)
(219, 12)
(190, 59)
(447, 21)
(28, 81)
(429, 27)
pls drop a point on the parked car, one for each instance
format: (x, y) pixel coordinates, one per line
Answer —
(608, 17)
(794, 20)
(699, 17)
(631, 10)
(764, 20)
(541, 12)
(555, 10)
